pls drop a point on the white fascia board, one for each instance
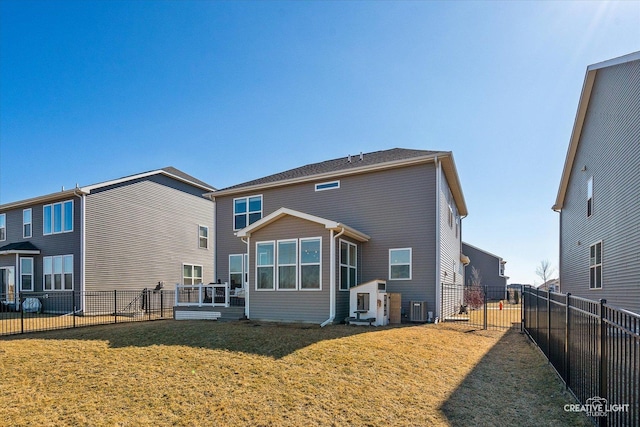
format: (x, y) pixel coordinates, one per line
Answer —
(41, 199)
(89, 188)
(276, 215)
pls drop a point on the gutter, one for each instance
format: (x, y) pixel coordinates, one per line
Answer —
(83, 244)
(332, 279)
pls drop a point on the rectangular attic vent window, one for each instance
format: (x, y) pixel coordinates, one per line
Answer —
(327, 185)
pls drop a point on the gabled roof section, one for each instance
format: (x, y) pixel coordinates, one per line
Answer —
(583, 105)
(282, 212)
(352, 165)
(169, 171)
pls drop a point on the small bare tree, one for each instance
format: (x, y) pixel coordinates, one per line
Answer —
(474, 294)
(545, 270)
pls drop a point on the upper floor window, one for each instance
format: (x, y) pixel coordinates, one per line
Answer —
(246, 211)
(400, 264)
(327, 185)
(203, 237)
(595, 266)
(590, 197)
(57, 217)
(26, 223)
(348, 265)
(58, 273)
(3, 227)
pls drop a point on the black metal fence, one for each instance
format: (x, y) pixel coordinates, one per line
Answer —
(43, 311)
(594, 348)
(487, 307)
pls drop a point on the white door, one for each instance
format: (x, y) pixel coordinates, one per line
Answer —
(7, 284)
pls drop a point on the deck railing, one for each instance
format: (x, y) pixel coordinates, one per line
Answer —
(201, 295)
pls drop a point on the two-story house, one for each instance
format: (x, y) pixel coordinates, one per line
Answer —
(126, 234)
(599, 194)
(298, 240)
(490, 268)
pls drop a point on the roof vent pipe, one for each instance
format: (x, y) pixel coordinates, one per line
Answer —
(361, 156)
(349, 158)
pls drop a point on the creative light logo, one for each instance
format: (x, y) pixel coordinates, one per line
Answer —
(596, 407)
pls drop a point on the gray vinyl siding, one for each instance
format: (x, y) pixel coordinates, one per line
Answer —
(49, 245)
(450, 272)
(488, 265)
(140, 233)
(609, 147)
(395, 207)
(290, 306)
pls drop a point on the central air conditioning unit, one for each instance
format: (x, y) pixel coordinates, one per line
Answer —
(418, 311)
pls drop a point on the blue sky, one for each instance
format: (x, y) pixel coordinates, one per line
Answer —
(231, 91)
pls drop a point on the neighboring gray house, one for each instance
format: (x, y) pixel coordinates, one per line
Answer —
(125, 234)
(599, 194)
(491, 269)
(552, 285)
(297, 241)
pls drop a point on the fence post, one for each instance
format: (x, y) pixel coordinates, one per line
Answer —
(115, 306)
(548, 324)
(523, 312)
(161, 303)
(603, 353)
(148, 299)
(19, 307)
(567, 347)
(485, 307)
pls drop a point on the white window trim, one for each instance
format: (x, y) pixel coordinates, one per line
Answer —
(4, 217)
(192, 276)
(31, 274)
(319, 263)
(329, 185)
(345, 265)
(410, 262)
(199, 237)
(248, 211)
(296, 265)
(62, 220)
(53, 286)
(275, 255)
(596, 265)
(30, 223)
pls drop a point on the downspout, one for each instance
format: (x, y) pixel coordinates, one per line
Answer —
(215, 240)
(438, 242)
(246, 291)
(83, 239)
(332, 278)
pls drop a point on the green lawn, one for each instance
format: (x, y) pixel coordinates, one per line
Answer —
(203, 373)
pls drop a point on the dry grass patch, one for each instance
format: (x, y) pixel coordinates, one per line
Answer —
(242, 373)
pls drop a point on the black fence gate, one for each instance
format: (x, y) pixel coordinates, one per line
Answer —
(486, 307)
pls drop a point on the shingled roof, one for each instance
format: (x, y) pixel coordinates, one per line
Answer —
(344, 163)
